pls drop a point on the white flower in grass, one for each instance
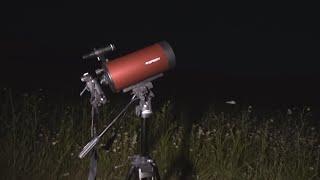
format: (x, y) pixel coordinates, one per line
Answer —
(208, 133)
(232, 102)
(65, 174)
(134, 139)
(238, 132)
(54, 143)
(289, 112)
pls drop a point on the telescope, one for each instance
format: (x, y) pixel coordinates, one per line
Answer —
(132, 72)
(134, 67)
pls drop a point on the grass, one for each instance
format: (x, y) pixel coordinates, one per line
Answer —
(41, 140)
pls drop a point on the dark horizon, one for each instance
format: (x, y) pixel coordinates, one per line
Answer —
(255, 58)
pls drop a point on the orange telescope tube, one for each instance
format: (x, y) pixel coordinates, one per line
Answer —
(135, 67)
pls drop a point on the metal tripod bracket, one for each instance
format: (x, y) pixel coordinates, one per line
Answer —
(97, 96)
(143, 92)
(145, 166)
(145, 95)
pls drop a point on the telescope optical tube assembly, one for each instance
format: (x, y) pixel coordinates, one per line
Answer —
(135, 67)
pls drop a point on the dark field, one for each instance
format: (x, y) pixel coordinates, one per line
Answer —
(41, 136)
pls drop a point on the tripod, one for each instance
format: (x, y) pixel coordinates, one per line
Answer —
(142, 166)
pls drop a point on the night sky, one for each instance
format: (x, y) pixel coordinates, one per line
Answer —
(247, 57)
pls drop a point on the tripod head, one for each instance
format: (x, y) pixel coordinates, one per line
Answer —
(143, 92)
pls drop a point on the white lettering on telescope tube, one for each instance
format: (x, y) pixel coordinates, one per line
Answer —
(152, 61)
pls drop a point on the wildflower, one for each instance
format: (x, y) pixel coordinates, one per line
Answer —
(238, 132)
(249, 108)
(71, 154)
(200, 132)
(65, 174)
(54, 143)
(231, 102)
(311, 168)
(271, 120)
(119, 166)
(208, 133)
(134, 139)
(308, 109)
(289, 112)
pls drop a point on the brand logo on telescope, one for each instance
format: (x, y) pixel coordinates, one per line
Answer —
(152, 61)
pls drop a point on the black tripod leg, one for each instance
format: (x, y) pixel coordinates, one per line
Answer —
(93, 165)
(156, 171)
(130, 172)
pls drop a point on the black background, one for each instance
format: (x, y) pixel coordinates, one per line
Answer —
(267, 56)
